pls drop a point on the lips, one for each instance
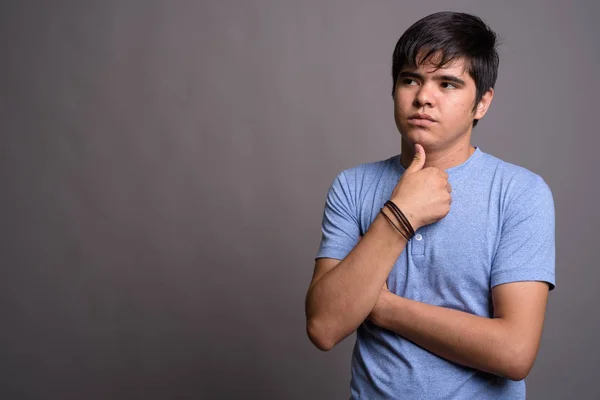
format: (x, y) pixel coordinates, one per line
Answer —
(422, 116)
(420, 119)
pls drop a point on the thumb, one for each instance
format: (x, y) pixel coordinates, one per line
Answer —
(418, 161)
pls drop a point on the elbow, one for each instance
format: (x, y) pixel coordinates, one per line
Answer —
(518, 373)
(319, 336)
(520, 364)
(520, 370)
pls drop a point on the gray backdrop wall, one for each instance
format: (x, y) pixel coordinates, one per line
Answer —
(164, 166)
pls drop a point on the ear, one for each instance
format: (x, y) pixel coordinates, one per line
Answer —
(484, 104)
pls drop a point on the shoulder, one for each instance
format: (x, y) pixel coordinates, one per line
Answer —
(352, 185)
(519, 187)
(516, 178)
(366, 173)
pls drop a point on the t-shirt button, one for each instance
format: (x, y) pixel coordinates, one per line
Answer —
(418, 236)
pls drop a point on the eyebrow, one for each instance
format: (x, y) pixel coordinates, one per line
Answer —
(444, 78)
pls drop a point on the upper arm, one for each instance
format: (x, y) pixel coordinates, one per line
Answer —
(521, 306)
(523, 269)
(340, 226)
(322, 266)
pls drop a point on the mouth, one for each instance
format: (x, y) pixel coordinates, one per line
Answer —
(421, 116)
(421, 121)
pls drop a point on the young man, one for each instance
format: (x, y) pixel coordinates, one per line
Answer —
(456, 312)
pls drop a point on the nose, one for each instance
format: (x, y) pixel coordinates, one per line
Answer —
(424, 97)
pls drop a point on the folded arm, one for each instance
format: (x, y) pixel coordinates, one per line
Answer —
(343, 293)
(505, 345)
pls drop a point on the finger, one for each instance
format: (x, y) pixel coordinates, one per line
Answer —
(418, 161)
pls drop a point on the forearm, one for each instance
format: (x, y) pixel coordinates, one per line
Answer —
(341, 300)
(482, 343)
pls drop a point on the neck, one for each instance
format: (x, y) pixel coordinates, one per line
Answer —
(438, 158)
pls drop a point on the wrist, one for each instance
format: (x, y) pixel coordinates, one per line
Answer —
(408, 213)
(381, 308)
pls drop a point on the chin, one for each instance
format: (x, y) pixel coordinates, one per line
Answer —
(416, 134)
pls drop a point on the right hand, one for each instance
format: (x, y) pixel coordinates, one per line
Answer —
(423, 194)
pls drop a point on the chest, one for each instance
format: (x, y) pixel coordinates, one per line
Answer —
(448, 263)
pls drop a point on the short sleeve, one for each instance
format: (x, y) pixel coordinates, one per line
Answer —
(340, 228)
(526, 251)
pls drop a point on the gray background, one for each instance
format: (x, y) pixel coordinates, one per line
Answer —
(164, 166)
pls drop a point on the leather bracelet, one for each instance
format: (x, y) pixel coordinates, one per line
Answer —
(406, 232)
(401, 217)
(394, 225)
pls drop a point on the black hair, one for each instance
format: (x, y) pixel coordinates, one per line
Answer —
(452, 35)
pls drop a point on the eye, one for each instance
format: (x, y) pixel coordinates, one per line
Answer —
(408, 81)
(448, 85)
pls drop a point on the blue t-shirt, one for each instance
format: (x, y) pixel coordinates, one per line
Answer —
(500, 229)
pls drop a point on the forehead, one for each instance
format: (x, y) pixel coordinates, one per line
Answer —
(431, 66)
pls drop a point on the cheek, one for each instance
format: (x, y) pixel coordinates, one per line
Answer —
(402, 104)
(397, 106)
(461, 107)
